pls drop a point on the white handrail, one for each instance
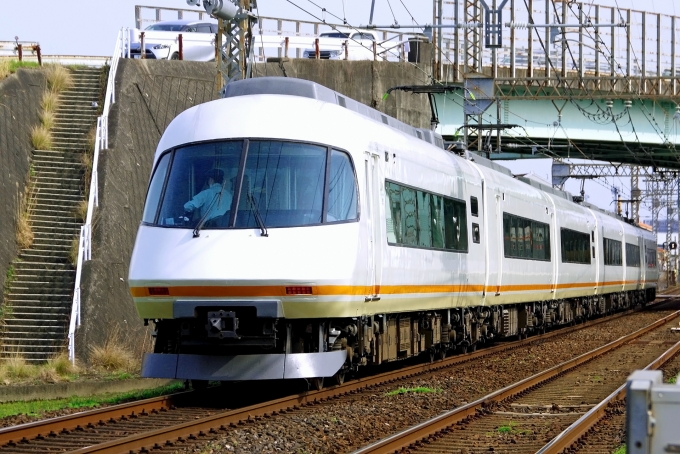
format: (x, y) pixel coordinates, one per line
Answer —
(101, 142)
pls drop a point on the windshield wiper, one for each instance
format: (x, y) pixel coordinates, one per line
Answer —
(203, 219)
(256, 212)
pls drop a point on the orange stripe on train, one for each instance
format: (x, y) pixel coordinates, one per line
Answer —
(353, 290)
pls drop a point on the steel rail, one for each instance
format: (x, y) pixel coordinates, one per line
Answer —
(580, 427)
(35, 429)
(420, 433)
(27, 431)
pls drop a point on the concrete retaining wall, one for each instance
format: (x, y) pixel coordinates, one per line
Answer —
(20, 96)
(149, 95)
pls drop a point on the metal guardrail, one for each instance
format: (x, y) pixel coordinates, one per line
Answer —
(66, 60)
(101, 142)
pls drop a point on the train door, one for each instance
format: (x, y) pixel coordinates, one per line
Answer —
(500, 240)
(640, 270)
(374, 246)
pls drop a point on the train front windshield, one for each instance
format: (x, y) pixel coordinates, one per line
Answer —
(227, 184)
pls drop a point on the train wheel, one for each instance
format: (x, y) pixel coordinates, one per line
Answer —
(317, 383)
(473, 347)
(442, 353)
(339, 377)
(463, 349)
(431, 355)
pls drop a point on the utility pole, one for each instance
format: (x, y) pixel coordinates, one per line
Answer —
(233, 55)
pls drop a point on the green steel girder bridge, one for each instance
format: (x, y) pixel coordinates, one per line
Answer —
(565, 80)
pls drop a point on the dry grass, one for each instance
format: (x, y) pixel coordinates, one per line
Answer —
(113, 355)
(86, 161)
(81, 210)
(41, 138)
(73, 252)
(58, 78)
(91, 137)
(58, 368)
(4, 69)
(50, 101)
(47, 118)
(15, 367)
(24, 225)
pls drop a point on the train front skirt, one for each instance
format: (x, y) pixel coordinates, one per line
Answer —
(243, 367)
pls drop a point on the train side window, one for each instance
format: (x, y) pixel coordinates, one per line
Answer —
(474, 206)
(424, 219)
(575, 246)
(593, 252)
(153, 197)
(437, 227)
(525, 239)
(455, 225)
(421, 219)
(475, 232)
(408, 217)
(632, 255)
(342, 189)
(612, 252)
(393, 212)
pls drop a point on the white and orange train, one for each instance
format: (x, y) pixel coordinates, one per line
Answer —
(291, 232)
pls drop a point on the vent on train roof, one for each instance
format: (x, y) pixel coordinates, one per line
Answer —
(308, 89)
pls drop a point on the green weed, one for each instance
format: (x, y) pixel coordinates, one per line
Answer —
(38, 407)
(511, 429)
(620, 450)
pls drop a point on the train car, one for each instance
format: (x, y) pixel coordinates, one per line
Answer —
(291, 232)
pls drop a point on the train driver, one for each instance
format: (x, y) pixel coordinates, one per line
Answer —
(214, 200)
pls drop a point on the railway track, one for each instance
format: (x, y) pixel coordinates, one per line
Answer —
(524, 416)
(170, 422)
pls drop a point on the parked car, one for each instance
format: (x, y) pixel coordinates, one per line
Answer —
(332, 45)
(161, 40)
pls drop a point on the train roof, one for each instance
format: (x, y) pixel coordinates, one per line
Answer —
(308, 89)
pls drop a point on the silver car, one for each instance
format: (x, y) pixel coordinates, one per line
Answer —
(161, 40)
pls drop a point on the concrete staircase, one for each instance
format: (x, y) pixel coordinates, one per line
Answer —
(41, 293)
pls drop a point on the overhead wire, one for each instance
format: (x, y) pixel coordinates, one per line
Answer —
(525, 140)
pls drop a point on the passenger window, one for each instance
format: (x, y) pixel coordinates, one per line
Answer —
(393, 212)
(526, 239)
(409, 229)
(424, 221)
(437, 227)
(475, 232)
(419, 218)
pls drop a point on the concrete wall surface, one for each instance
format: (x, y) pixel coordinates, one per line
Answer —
(149, 94)
(20, 96)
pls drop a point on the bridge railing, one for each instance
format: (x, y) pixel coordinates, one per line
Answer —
(274, 36)
(101, 142)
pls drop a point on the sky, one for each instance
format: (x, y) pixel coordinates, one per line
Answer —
(77, 27)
